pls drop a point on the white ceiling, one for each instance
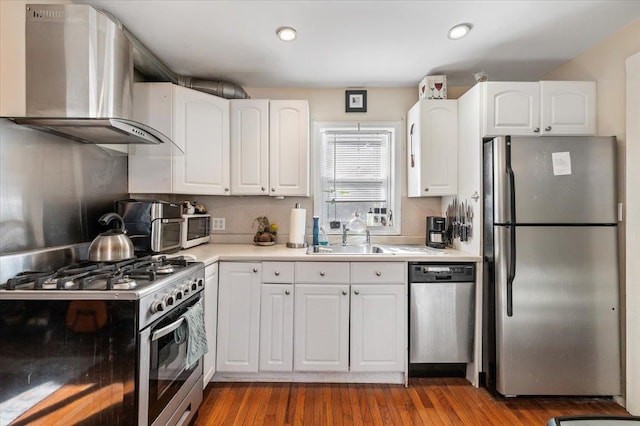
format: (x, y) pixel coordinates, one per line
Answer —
(367, 43)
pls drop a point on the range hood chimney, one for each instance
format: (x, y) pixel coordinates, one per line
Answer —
(79, 76)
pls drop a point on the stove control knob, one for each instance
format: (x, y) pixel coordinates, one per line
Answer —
(200, 282)
(169, 300)
(185, 289)
(158, 306)
(177, 294)
(194, 285)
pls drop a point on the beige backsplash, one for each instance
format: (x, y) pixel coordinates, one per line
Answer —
(239, 213)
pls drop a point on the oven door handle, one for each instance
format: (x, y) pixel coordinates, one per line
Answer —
(167, 329)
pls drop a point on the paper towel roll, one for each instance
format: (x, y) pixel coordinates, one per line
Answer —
(297, 222)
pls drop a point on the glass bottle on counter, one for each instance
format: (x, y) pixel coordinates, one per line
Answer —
(316, 219)
(322, 237)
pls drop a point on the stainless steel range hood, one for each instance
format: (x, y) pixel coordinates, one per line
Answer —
(79, 77)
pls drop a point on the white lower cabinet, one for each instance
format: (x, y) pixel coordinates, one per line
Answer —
(276, 327)
(321, 340)
(210, 320)
(238, 317)
(378, 327)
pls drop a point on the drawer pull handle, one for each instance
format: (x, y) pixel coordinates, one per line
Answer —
(344, 292)
(378, 274)
(287, 292)
(548, 128)
(255, 270)
(322, 273)
(277, 273)
(356, 291)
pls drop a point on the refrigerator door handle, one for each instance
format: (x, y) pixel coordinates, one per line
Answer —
(413, 156)
(511, 264)
(511, 268)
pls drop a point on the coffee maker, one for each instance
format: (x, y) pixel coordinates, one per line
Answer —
(436, 231)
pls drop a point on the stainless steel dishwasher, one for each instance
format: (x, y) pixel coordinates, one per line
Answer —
(441, 312)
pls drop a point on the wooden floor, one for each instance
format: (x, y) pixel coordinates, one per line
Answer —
(432, 401)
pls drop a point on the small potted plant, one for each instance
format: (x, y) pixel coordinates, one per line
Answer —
(266, 233)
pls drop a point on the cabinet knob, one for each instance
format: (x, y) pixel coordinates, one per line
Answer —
(378, 274)
(226, 190)
(426, 190)
(344, 292)
(287, 292)
(255, 270)
(536, 130)
(273, 190)
(262, 189)
(547, 129)
(277, 273)
(356, 291)
(322, 273)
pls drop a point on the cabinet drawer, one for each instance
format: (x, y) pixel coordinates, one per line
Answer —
(378, 272)
(277, 272)
(322, 272)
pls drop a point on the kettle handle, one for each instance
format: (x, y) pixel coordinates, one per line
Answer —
(107, 218)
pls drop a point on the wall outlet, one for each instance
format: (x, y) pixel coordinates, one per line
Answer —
(218, 223)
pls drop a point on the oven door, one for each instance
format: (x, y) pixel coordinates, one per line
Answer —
(166, 235)
(164, 377)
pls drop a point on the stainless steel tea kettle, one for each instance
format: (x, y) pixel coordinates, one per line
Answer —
(112, 245)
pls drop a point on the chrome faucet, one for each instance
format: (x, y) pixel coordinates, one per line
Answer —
(368, 234)
(344, 234)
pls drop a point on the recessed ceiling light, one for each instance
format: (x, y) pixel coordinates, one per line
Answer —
(459, 31)
(286, 33)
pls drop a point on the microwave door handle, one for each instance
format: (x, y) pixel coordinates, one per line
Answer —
(178, 220)
(167, 329)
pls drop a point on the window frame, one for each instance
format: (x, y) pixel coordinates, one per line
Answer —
(395, 128)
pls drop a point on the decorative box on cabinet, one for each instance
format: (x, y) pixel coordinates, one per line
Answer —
(432, 148)
(198, 124)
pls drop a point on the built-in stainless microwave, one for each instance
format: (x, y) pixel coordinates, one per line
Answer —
(196, 229)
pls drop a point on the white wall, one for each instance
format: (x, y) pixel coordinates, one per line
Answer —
(633, 234)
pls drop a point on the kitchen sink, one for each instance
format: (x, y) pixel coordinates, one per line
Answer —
(340, 249)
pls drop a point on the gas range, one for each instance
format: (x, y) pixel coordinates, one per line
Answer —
(101, 326)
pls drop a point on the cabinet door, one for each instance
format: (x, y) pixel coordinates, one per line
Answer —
(439, 147)
(276, 327)
(150, 168)
(378, 327)
(201, 132)
(210, 320)
(568, 107)
(238, 317)
(321, 327)
(511, 108)
(414, 183)
(249, 146)
(289, 148)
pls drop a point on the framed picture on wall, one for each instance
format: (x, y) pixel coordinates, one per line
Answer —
(355, 100)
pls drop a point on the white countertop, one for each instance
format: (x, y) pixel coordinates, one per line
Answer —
(210, 253)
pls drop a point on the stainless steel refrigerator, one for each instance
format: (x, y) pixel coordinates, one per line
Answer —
(551, 266)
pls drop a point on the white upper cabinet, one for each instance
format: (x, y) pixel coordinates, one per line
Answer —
(511, 108)
(198, 124)
(249, 146)
(539, 108)
(269, 147)
(201, 131)
(432, 148)
(289, 148)
(568, 107)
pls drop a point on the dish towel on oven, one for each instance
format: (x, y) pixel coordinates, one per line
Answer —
(193, 329)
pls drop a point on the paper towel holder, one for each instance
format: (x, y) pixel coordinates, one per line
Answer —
(296, 245)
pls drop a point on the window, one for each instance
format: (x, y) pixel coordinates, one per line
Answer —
(356, 173)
